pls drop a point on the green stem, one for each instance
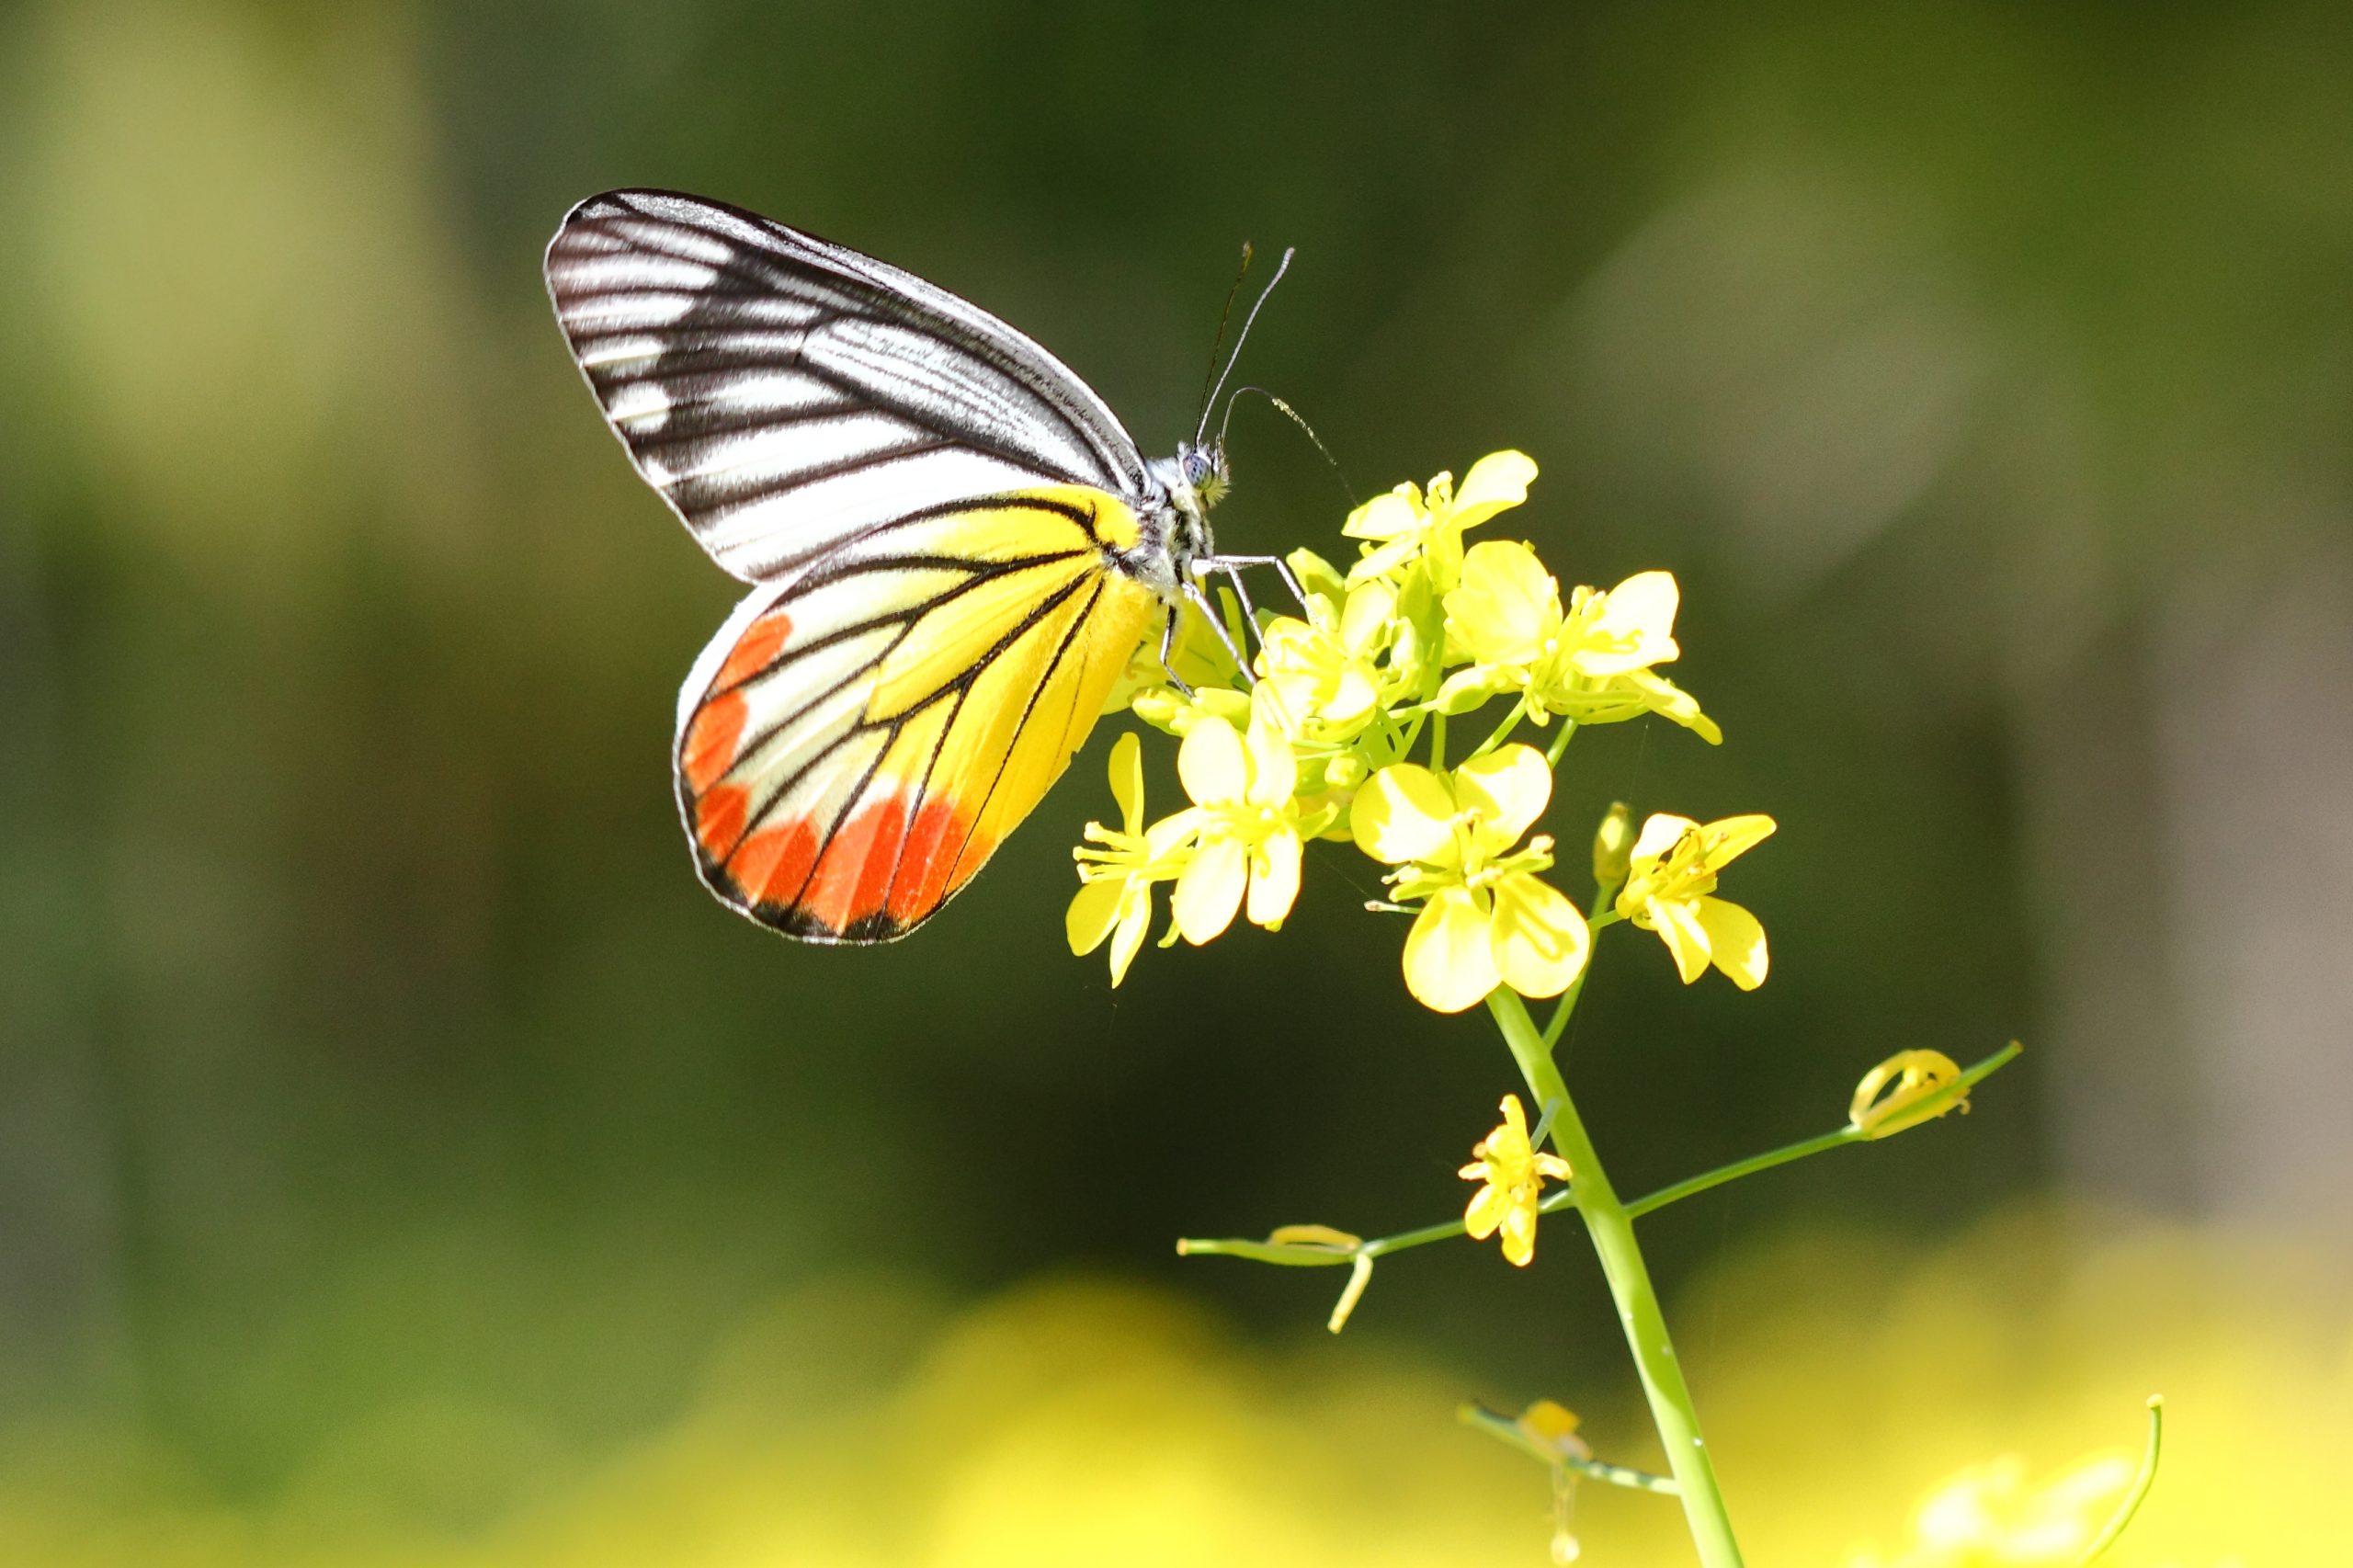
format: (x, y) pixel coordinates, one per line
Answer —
(1502, 732)
(1630, 1287)
(1567, 1005)
(1850, 1133)
(1568, 1002)
(1561, 742)
(2140, 1492)
(1437, 743)
(1738, 1168)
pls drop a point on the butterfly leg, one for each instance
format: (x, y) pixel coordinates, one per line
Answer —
(1201, 602)
(1231, 566)
(1242, 592)
(1168, 650)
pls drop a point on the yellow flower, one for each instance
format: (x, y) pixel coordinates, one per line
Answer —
(1552, 1426)
(1406, 525)
(1917, 1078)
(1590, 663)
(1513, 1175)
(1486, 919)
(1675, 866)
(1247, 827)
(1114, 898)
(1321, 673)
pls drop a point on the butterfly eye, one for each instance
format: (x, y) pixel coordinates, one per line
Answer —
(1198, 466)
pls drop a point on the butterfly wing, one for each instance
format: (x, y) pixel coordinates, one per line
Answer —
(786, 396)
(928, 503)
(857, 740)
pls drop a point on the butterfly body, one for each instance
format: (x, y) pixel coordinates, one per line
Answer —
(954, 549)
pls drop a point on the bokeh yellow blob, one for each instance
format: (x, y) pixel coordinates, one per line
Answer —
(1854, 1386)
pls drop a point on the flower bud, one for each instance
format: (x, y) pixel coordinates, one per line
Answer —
(1908, 1088)
(1170, 710)
(1613, 846)
(1317, 575)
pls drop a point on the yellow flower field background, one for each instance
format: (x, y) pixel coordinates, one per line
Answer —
(1077, 1420)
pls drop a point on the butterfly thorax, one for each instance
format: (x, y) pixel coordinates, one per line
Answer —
(1175, 531)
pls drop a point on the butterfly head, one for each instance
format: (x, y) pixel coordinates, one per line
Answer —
(1205, 471)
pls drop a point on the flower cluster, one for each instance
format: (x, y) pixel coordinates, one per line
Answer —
(1337, 730)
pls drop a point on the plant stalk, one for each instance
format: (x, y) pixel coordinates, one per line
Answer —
(1613, 1229)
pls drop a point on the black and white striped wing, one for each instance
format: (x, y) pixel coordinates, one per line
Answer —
(787, 395)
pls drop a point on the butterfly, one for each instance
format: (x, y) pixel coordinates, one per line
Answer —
(954, 549)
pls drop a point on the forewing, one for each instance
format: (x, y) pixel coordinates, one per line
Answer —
(857, 741)
(787, 395)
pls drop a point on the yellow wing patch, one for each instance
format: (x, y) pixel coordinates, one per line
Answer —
(855, 745)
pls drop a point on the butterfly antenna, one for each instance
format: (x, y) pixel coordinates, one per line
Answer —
(1241, 337)
(1209, 377)
(1293, 415)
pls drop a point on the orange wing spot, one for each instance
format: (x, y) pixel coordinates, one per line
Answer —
(713, 736)
(855, 872)
(977, 850)
(754, 651)
(936, 833)
(773, 864)
(718, 819)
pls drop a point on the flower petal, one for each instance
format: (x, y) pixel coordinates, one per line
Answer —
(1209, 891)
(1386, 517)
(1635, 629)
(1520, 1234)
(1506, 605)
(1485, 1211)
(1127, 779)
(1678, 925)
(1366, 615)
(1210, 764)
(1735, 941)
(1404, 813)
(1450, 961)
(1315, 574)
(1379, 560)
(1287, 646)
(1508, 787)
(1092, 914)
(1353, 697)
(1127, 939)
(1661, 832)
(1162, 838)
(1273, 773)
(1541, 941)
(1496, 481)
(1274, 878)
(1668, 700)
(1728, 838)
(1468, 689)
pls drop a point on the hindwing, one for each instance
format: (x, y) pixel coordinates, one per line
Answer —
(857, 739)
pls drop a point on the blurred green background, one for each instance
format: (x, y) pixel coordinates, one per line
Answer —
(403, 1159)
